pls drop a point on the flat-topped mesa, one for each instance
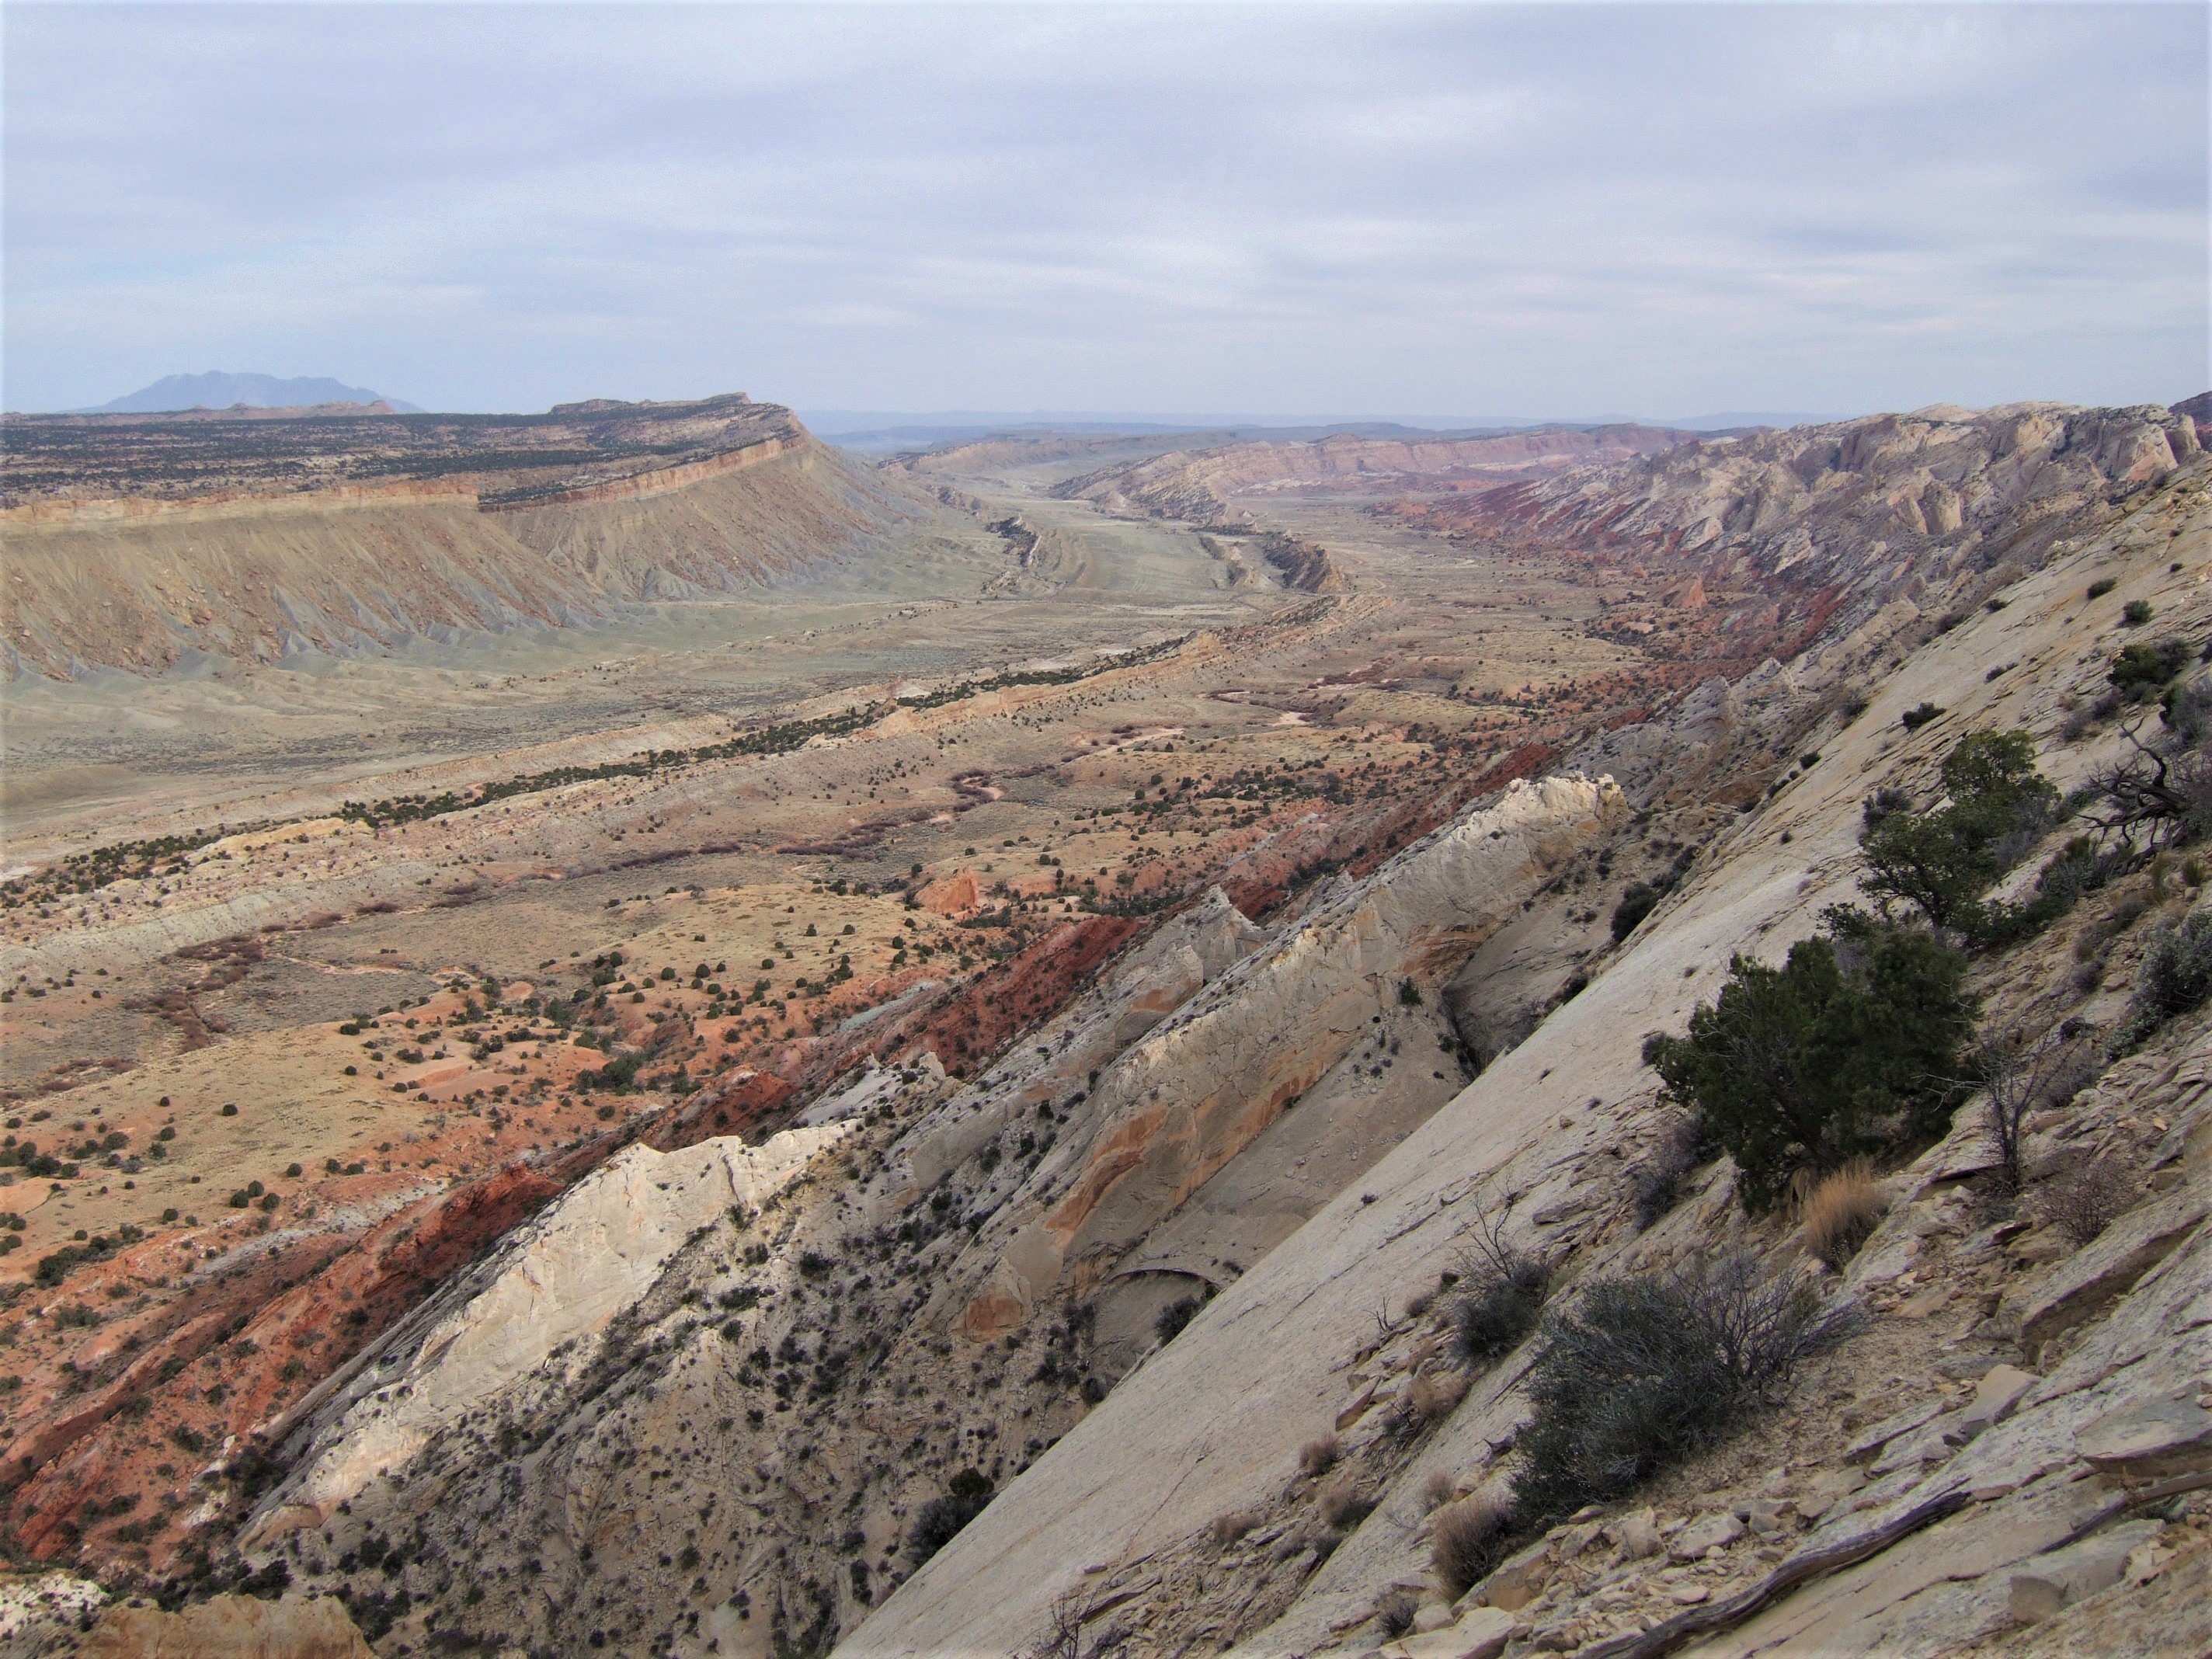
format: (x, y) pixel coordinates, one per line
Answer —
(246, 454)
(136, 540)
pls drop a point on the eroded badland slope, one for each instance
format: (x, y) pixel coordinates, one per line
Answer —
(1013, 1190)
(135, 541)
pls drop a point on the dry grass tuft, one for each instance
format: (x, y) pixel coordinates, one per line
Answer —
(1339, 1505)
(1228, 1529)
(1431, 1399)
(1437, 1490)
(1394, 1612)
(1466, 1540)
(1318, 1457)
(1843, 1212)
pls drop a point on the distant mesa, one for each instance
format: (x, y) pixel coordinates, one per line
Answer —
(218, 390)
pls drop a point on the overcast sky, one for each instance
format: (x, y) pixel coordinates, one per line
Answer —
(1428, 210)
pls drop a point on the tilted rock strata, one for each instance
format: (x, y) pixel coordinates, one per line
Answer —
(1213, 1425)
(552, 1288)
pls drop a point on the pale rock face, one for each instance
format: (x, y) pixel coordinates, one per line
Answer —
(2042, 1587)
(1198, 1089)
(1214, 1421)
(230, 1628)
(35, 1612)
(556, 1284)
(2148, 1439)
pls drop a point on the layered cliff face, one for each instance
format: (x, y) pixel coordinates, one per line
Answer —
(258, 538)
(1202, 485)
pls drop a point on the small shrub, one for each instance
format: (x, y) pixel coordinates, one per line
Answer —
(1394, 1612)
(967, 1497)
(1913, 719)
(1174, 1317)
(1841, 1214)
(2097, 589)
(1501, 1300)
(2135, 612)
(1318, 1457)
(2083, 1203)
(1637, 900)
(2142, 670)
(1826, 1057)
(2186, 711)
(1657, 1185)
(1883, 802)
(1437, 1490)
(2176, 978)
(1466, 1540)
(1431, 1399)
(1226, 1529)
(1641, 1372)
(1339, 1505)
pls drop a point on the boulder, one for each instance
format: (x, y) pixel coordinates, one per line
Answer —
(1714, 1531)
(2110, 1264)
(2044, 1584)
(1639, 1534)
(1869, 1441)
(1995, 1395)
(2148, 1440)
(1517, 1581)
(1481, 1634)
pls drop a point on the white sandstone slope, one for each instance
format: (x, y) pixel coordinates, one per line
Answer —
(1279, 1030)
(1306, 1342)
(553, 1287)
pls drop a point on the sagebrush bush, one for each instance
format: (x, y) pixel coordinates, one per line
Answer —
(1637, 900)
(2176, 978)
(1640, 1372)
(1500, 1307)
(1394, 1610)
(1431, 1399)
(1466, 1540)
(1225, 1529)
(1318, 1457)
(1657, 1183)
(1173, 1317)
(1841, 1214)
(1825, 1058)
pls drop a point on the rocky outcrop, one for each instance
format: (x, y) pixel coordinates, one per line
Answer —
(552, 1288)
(1194, 1095)
(228, 1627)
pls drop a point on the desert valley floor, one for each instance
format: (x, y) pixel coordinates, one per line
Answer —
(582, 1043)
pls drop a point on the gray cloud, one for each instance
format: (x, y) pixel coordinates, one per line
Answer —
(1363, 210)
